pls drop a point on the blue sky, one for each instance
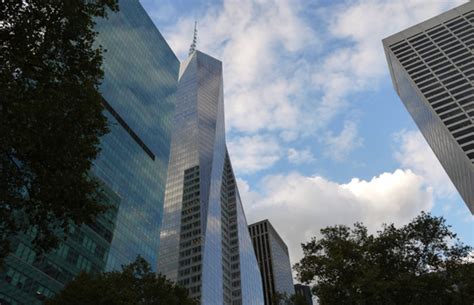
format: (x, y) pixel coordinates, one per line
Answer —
(316, 134)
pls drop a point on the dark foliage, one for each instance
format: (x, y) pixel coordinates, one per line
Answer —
(50, 117)
(419, 263)
(284, 299)
(134, 285)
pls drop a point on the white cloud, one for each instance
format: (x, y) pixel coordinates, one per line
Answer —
(278, 76)
(253, 153)
(358, 64)
(413, 152)
(470, 258)
(299, 206)
(339, 146)
(257, 42)
(247, 193)
(366, 23)
(300, 156)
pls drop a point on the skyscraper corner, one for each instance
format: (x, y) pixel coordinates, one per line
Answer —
(432, 69)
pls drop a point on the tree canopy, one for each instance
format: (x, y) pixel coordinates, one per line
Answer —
(136, 284)
(419, 263)
(51, 117)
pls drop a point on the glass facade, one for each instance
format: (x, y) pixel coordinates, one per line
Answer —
(140, 83)
(432, 67)
(139, 90)
(273, 260)
(204, 243)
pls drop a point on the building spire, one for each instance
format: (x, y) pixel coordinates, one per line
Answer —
(192, 48)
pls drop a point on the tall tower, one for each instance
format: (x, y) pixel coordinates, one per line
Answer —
(204, 244)
(273, 259)
(432, 68)
(138, 89)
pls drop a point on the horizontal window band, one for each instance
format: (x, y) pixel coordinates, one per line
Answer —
(127, 128)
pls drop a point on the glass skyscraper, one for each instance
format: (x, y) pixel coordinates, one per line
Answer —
(204, 243)
(273, 259)
(432, 68)
(139, 90)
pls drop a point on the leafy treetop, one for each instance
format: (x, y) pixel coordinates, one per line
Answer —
(136, 284)
(419, 263)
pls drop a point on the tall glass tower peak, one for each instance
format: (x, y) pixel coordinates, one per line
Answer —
(204, 244)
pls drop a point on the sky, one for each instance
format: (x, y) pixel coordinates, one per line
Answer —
(316, 134)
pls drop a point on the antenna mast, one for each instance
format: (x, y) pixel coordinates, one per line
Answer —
(192, 48)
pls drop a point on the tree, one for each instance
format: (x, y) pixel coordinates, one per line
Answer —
(284, 299)
(419, 263)
(51, 117)
(136, 284)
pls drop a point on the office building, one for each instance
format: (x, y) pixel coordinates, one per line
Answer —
(273, 259)
(432, 68)
(304, 291)
(205, 245)
(139, 89)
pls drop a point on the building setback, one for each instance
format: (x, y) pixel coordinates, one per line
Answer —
(273, 259)
(432, 68)
(204, 244)
(304, 291)
(139, 89)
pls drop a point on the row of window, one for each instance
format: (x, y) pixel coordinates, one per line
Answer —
(25, 283)
(440, 63)
(190, 280)
(6, 300)
(190, 270)
(260, 239)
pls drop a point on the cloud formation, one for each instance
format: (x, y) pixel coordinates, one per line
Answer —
(300, 156)
(413, 152)
(358, 64)
(253, 153)
(258, 42)
(279, 77)
(299, 206)
(338, 147)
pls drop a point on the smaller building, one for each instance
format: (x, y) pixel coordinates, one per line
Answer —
(304, 291)
(273, 259)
